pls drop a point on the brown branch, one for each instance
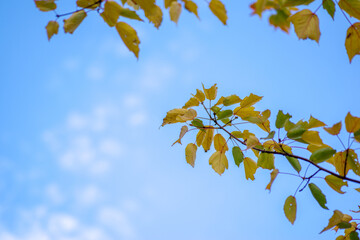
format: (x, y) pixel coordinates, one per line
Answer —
(69, 13)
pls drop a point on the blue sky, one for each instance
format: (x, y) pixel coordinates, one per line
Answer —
(81, 153)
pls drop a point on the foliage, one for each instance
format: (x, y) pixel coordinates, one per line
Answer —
(283, 13)
(230, 119)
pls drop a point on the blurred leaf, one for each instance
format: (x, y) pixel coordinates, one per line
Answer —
(218, 9)
(329, 6)
(175, 11)
(45, 5)
(294, 163)
(306, 25)
(92, 4)
(230, 100)
(74, 21)
(352, 7)
(193, 102)
(266, 161)
(52, 28)
(191, 7)
(224, 114)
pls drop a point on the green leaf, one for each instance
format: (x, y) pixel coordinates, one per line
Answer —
(224, 114)
(357, 135)
(329, 6)
(281, 119)
(45, 5)
(294, 163)
(318, 195)
(270, 136)
(266, 161)
(230, 100)
(335, 183)
(354, 235)
(322, 155)
(352, 7)
(290, 209)
(197, 123)
(238, 155)
(129, 37)
(334, 220)
(296, 132)
(344, 225)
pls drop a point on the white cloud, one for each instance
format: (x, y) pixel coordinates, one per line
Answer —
(132, 101)
(155, 74)
(71, 64)
(95, 72)
(117, 221)
(54, 194)
(62, 224)
(138, 118)
(88, 195)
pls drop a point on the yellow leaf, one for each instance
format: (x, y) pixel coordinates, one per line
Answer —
(210, 93)
(252, 141)
(357, 189)
(199, 95)
(111, 12)
(220, 101)
(250, 100)
(335, 183)
(167, 3)
(175, 11)
(209, 136)
(191, 7)
(339, 161)
(260, 6)
(250, 167)
(193, 102)
(314, 123)
(92, 4)
(246, 112)
(266, 161)
(125, 12)
(74, 21)
(352, 123)
(190, 154)
(290, 209)
(230, 100)
(189, 115)
(129, 37)
(218, 9)
(178, 115)
(52, 28)
(334, 220)
(352, 41)
(312, 147)
(312, 137)
(220, 143)
(45, 5)
(200, 137)
(218, 162)
(183, 130)
(273, 175)
(152, 11)
(334, 130)
(306, 25)
(352, 7)
(133, 4)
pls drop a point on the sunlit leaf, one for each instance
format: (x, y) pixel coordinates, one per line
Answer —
(111, 12)
(335, 183)
(183, 131)
(314, 123)
(329, 6)
(352, 123)
(281, 119)
(294, 163)
(306, 25)
(230, 100)
(334, 130)
(260, 6)
(52, 28)
(209, 136)
(193, 102)
(125, 12)
(318, 195)
(296, 132)
(218, 9)
(190, 154)
(266, 161)
(250, 167)
(175, 11)
(290, 209)
(273, 175)
(218, 162)
(199, 95)
(167, 3)
(322, 155)
(200, 137)
(152, 11)
(211, 93)
(293, 3)
(352, 41)
(74, 21)
(352, 7)
(191, 7)
(197, 123)
(270, 136)
(224, 114)
(92, 4)
(179, 115)
(250, 100)
(252, 141)
(280, 20)
(334, 220)
(238, 155)
(129, 37)
(220, 143)
(45, 5)
(312, 137)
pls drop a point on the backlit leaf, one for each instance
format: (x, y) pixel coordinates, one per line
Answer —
(260, 6)
(246, 112)
(209, 136)
(191, 7)
(52, 28)
(250, 167)
(334, 220)
(197, 123)
(293, 3)
(312, 137)
(45, 5)
(92, 4)
(352, 123)
(296, 132)
(344, 225)
(339, 162)
(280, 20)
(218, 9)
(290, 209)
(220, 143)
(218, 162)
(129, 37)
(329, 6)
(252, 141)
(322, 155)
(125, 12)
(183, 130)
(211, 93)
(273, 175)
(175, 11)
(168, 3)
(193, 102)
(294, 163)
(250, 100)
(352, 41)
(318, 195)
(270, 136)
(190, 154)
(111, 12)
(335, 183)
(199, 95)
(314, 123)
(200, 137)
(266, 161)
(74, 21)
(230, 100)
(224, 114)
(152, 11)
(354, 235)
(306, 25)
(334, 130)
(281, 119)
(238, 155)
(352, 7)
(179, 115)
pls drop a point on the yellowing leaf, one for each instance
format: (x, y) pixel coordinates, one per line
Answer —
(209, 136)
(339, 162)
(260, 6)
(219, 162)
(190, 154)
(306, 25)
(218, 9)
(352, 7)
(230, 100)
(193, 102)
(199, 95)
(335, 183)
(74, 21)
(280, 20)
(111, 12)
(167, 3)
(183, 130)
(246, 112)
(290, 209)
(210, 93)
(191, 7)
(250, 167)
(352, 123)
(152, 11)
(312, 137)
(45, 5)
(220, 143)
(178, 115)
(250, 100)
(293, 3)
(334, 220)
(189, 115)
(52, 28)
(252, 141)
(266, 161)
(334, 130)
(273, 175)
(200, 137)
(129, 37)
(92, 4)
(175, 11)
(314, 123)
(125, 12)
